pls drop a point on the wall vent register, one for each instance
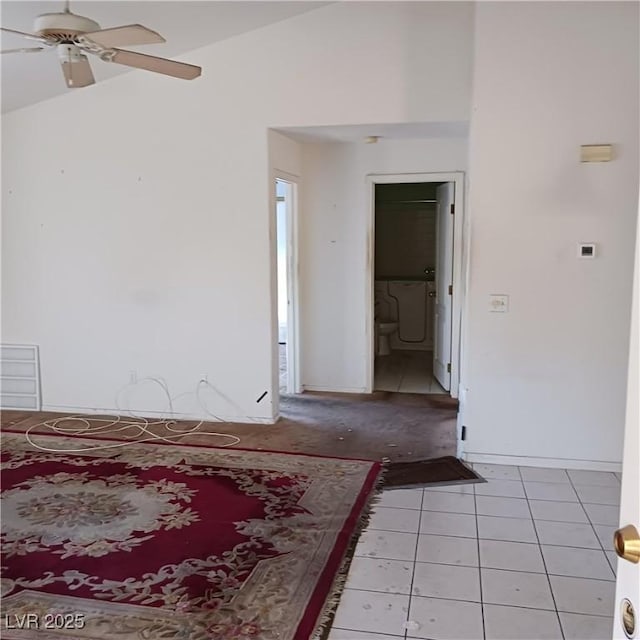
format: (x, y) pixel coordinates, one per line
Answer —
(20, 377)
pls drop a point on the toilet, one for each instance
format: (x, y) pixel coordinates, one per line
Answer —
(384, 329)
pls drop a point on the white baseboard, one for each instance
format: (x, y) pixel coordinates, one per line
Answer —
(315, 387)
(554, 463)
(156, 414)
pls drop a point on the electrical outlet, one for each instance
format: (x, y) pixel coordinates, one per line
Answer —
(133, 377)
(498, 303)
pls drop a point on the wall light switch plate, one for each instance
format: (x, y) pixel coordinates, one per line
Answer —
(498, 303)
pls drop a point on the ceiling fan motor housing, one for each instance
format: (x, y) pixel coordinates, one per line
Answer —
(63, 27)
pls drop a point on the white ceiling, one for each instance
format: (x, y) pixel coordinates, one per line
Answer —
(358, 132)
(28, 78)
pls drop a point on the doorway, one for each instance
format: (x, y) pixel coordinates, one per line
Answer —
(415, 302)
(287, 286)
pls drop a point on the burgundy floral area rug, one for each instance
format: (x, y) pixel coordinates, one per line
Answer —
(151, 541)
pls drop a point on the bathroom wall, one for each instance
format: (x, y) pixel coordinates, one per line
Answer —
(405, 241)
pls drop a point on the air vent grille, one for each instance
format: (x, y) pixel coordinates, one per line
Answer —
(20, 377)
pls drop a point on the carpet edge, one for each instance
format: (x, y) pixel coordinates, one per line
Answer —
(328, 612)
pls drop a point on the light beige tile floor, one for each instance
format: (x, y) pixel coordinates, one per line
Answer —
(402, 371)
(494, 561)
(406, 372)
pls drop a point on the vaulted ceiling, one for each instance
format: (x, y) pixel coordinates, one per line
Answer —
(28, 78)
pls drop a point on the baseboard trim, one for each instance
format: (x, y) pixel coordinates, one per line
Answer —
(316, 387)
(554, 463)
(156, 414)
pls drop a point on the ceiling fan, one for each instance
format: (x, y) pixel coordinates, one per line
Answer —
(73, 36)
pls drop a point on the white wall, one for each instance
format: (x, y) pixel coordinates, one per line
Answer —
(548, 379)
(137, 217)
(285, 155)
(334, 217)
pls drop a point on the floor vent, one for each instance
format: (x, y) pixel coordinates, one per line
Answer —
(20, 377)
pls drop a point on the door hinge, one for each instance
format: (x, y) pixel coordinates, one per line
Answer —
(453, 208)
(450, 289)
(449, 367)
(463, 435)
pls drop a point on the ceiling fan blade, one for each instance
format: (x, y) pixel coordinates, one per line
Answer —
(77, 73)
(23, 50)
(30, 36)
(159, 65)
(128, 35)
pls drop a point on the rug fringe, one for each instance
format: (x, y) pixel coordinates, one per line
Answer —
(323, 626)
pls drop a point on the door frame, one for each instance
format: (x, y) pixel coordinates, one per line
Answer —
(457, 304)
(293, 285)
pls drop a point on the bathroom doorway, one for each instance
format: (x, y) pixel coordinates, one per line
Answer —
(413, 271)
(287, 286)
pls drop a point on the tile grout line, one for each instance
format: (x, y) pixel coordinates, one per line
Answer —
(595, 533)
(544, 561)
(413, 568)
(455, 493)
(475, 504)
(582, 484)
(503, 604)
(473, 566)
(450, 535)
(374, 633)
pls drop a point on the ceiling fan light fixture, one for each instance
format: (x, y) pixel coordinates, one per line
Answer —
(75, 67)
(69, 53)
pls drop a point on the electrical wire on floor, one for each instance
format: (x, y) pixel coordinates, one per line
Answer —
(83, 426)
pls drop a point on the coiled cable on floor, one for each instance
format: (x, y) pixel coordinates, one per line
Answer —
(83, 426)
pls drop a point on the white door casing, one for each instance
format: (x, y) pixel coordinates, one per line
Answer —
(292, 268)
(444, 285)
(459, 250)
(293, 350)
(628, 573)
